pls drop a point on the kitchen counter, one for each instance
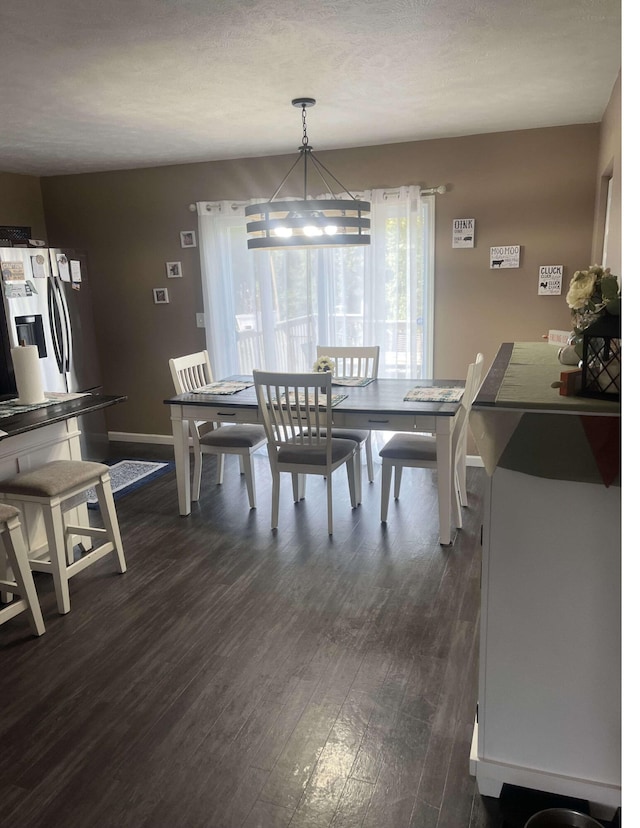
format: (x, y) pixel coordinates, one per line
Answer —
(549, 715)
(521, 377)
(31, 438)
(24, 421)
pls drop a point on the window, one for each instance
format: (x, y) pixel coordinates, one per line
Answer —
(269, 309)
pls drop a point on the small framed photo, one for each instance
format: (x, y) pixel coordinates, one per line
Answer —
(161, 296)
(187, 238)
(174, 270)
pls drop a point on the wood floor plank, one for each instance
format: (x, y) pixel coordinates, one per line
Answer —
(236, 677)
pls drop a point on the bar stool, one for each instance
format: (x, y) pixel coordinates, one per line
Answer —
(57, 487)
(21, 579)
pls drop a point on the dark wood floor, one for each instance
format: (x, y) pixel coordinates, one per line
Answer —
(239, 677)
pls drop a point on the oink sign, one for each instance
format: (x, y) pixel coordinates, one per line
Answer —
(506, 256)
(463, 232)
(550, 280)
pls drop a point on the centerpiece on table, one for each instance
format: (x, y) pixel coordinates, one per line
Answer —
(324, 365)
(595, 302)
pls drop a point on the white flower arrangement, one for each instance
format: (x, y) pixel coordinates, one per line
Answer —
(324, 364)
(592, 293)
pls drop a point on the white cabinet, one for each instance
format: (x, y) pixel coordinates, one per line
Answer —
(549, 708)
(549, 680)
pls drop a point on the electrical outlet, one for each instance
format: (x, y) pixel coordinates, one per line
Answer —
(199, 320)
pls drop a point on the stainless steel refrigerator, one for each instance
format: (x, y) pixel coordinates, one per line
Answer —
(46, 302)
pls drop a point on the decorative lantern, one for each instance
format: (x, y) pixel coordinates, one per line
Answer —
(602, 358)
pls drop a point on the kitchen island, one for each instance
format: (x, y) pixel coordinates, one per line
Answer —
(549, 709)
(31, 436)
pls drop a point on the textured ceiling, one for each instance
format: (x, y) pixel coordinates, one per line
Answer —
(91, 85)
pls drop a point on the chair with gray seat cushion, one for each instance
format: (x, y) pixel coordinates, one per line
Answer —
(354, 362)
(55, 489)
(15, 572)
(419, 451)
(190, 373)
(296, 413)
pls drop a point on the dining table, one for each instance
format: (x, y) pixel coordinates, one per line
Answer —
(375, 405)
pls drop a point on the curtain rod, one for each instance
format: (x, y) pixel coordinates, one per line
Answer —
(440, 190)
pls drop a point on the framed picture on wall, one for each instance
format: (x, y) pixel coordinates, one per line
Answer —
(174, 270)
(161, 296)
(187, 238)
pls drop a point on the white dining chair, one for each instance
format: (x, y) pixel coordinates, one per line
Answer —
(354, 362)
(461, 450)
(419, 451)
(190, 373)
(296, 414)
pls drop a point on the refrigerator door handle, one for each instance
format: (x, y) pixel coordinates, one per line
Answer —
(60, 325)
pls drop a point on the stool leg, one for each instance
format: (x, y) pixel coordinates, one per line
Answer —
(110, 518)
(54, 524)
(5, 575)
(17, 554)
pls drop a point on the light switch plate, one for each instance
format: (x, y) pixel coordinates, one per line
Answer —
(199, 320)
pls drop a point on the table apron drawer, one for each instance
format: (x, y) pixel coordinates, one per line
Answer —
(375, 422)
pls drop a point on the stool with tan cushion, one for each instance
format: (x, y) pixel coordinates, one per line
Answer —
(17, 577)
(57, 487)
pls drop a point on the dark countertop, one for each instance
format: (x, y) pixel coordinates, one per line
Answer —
(22, 422)
(521, 377)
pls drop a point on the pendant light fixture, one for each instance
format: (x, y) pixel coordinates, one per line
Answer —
(306, 222)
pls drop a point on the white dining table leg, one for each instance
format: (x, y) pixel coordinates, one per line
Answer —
(180, 429)
(444, 433)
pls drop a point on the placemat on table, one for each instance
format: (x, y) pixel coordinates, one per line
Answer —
(322, 399)
(223, 387)
(423, 393)
(9, 408)
(352, 381)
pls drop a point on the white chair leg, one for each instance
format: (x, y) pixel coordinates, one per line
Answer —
(197, 474)
(386, 490)
(461, 477)
(397, 481)
(110, 520)
(54, 525)
(69, 545)
(330, 504)
(220, 472)
(295, 486)
(369, 452)
(6, 574)
(456, 511)
(17, 554)
(241, 465)
(354, 476)
(358, 474)
(247, 463)
(275, 498)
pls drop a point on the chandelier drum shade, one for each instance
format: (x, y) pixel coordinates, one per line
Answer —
(307, 222)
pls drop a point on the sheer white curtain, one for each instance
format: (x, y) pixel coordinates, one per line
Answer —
(269, 309)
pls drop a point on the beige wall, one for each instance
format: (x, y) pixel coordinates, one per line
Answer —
(21, 203)
(535, 188)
